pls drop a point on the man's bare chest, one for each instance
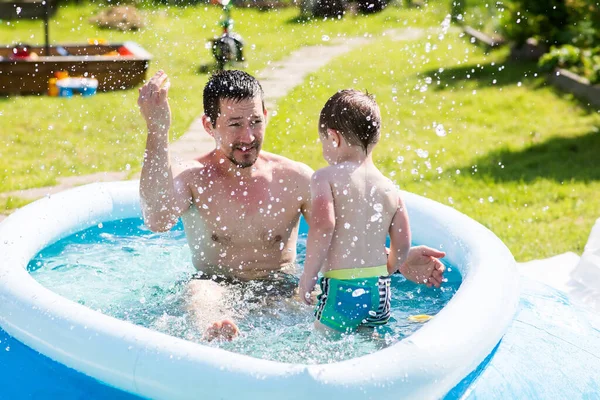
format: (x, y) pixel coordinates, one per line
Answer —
(261, 216)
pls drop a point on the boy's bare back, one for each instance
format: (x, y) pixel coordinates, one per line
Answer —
(365, 202)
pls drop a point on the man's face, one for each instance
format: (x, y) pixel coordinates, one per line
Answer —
(240, 130)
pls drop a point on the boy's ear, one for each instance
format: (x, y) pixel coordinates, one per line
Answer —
(335, 135)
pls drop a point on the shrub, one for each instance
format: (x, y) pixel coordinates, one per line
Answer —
(584, 19)
(553, 22)
(371, 6)
(583, 62)
(323, 8)
(544, 20)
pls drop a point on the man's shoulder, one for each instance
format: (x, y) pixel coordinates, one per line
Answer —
(286, 165)
(192, 168)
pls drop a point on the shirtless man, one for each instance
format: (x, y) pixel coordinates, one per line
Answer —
(240, 206)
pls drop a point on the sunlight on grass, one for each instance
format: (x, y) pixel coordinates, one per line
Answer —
(516, 156)
(464, 128)
(45, 138)
(12, 203)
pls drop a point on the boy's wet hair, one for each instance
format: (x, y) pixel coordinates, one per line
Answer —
(229, 84)
(355, 115)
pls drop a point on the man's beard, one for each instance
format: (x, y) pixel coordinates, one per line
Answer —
(254, 148)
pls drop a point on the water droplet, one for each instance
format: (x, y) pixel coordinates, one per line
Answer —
(325, 38)
(440, 131)
(347, 225)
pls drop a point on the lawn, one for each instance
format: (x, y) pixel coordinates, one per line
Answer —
(464, 128)
(45, 138)
(516, 155)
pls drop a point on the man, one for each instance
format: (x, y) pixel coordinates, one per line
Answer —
(240, 206)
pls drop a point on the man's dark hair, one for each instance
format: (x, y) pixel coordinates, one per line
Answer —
(355, 115)
(229, 84)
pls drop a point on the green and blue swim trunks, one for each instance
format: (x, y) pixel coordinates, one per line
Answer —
(354, 297)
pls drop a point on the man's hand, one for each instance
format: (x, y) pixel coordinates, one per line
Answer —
(423, 266)
(154, 103)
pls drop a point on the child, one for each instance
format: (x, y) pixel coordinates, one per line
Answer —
(354, 208)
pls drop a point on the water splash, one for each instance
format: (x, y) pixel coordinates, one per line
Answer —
(95, 268)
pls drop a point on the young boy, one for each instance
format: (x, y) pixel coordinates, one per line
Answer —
(354, 208)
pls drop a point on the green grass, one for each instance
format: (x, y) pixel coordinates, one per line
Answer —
(11, 203)
(484, 15)
(43, 138)
(518, 156)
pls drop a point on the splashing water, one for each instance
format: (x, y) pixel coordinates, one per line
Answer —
(445, 26)
(128, 272)
(440, 131)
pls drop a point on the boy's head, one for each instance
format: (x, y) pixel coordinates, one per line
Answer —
(354, 115)
(229, 84)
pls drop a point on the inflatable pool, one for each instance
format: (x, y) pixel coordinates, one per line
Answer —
(427, 364)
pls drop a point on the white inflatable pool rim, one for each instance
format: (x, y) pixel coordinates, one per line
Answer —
(151, 364)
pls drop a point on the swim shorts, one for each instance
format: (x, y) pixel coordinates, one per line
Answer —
(354, 297)
(278, 283)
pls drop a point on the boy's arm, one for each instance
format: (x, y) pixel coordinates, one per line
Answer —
(322, 225)
(399, 238)
(423, 266)
(303, 181)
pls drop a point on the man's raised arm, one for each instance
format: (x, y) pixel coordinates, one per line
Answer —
(163, 199)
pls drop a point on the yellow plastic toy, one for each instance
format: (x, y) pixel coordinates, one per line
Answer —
(420, 318)
(96, 41)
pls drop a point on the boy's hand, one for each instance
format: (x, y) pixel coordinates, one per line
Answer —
(305, 289)
(423, 266)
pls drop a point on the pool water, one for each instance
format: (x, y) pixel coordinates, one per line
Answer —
(126, 271)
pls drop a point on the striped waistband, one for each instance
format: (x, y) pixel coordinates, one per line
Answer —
(356, 273)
